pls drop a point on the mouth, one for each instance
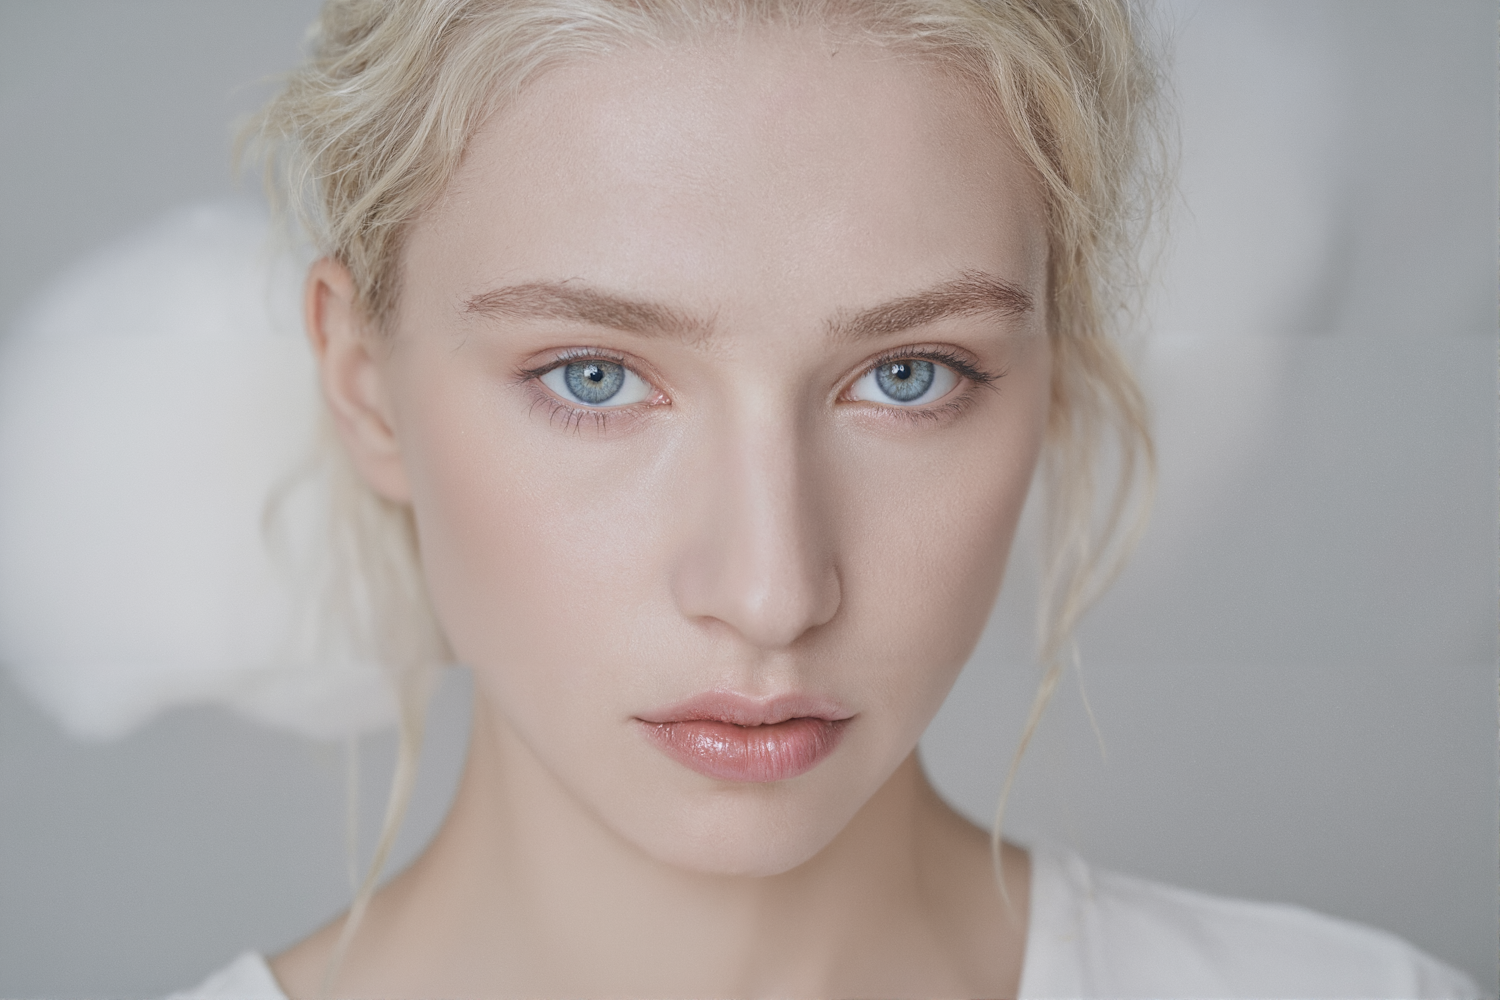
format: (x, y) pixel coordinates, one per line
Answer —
(730, 737)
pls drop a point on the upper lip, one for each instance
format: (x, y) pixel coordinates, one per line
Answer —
(744, 710)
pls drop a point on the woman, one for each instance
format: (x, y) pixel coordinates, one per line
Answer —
(692, 361)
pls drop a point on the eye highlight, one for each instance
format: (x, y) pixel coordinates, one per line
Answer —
(596, 383)
(909, 381)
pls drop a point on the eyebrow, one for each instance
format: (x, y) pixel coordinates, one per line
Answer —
(973, 293)
(560, 300)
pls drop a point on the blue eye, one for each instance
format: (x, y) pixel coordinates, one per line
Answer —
(595, 382)
(904, 382)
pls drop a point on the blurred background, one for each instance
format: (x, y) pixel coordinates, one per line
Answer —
(1294, 681)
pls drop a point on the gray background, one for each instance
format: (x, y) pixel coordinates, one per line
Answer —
(1295, 680)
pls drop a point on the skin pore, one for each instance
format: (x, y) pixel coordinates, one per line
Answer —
(743, 232)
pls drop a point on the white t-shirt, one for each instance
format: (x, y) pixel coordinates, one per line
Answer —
(1093, 933)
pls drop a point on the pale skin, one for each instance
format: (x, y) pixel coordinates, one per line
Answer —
(749, 227)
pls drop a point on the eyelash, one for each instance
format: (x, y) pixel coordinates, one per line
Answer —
(573, 416)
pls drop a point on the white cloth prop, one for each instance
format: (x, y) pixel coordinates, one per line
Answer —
(150, 401)
(155, 395)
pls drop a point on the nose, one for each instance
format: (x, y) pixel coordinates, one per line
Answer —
(759, 557)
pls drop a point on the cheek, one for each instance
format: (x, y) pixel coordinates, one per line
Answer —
(925, 546)
(928, 574)
(536, 553)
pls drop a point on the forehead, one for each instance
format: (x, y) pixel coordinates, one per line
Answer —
(729, 172)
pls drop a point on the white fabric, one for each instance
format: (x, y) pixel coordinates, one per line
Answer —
(1094, 933)
(246, 978)
(1097, 934)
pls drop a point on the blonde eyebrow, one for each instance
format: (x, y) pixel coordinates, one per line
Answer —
(973, 293)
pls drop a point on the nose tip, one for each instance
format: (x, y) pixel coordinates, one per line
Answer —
(771, 607)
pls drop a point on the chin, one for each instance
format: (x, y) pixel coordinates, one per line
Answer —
(748, 831)
(749, 850)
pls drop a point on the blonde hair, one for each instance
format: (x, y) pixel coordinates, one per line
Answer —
(368, 132)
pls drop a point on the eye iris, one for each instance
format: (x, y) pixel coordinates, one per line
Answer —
(594, 382)
(905, 381)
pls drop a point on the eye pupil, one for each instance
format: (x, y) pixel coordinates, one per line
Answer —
(594, 373)
(905, 381)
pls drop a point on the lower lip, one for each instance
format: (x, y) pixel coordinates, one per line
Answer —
(728, 752)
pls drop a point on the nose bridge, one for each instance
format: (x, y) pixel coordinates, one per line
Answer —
(760, 559)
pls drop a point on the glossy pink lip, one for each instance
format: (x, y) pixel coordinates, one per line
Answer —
(734, 738)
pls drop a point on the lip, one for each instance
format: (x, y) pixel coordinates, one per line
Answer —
(731, 737)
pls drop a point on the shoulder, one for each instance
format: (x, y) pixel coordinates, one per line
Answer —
(246, 978)
(1096, 933)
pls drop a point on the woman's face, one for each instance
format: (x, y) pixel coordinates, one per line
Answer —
(718, 379)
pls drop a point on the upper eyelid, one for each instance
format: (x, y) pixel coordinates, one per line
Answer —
(570, 355)
(947, 357)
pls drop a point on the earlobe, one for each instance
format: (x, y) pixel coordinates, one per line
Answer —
(354, 386)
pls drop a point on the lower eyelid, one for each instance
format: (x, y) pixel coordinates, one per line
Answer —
(573, 417)
(948, 408)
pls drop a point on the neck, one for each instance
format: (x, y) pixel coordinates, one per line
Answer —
(525, 892)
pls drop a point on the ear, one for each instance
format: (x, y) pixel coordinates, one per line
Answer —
(354, 385)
